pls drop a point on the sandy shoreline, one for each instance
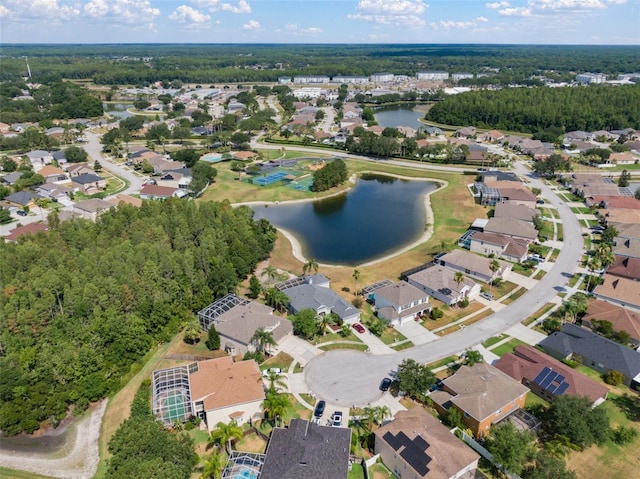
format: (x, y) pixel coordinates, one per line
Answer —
(296, 246)
(81, 462)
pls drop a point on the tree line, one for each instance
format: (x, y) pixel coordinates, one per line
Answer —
(531, 110)
(83, 302)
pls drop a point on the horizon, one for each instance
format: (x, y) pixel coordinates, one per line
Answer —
(320, 22)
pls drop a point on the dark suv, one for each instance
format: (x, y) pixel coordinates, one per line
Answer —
(319, 410)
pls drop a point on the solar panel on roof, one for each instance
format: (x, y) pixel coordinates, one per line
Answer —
(552, 388)
(561, 389)
(560, 378)
(541, 375)
(547, 381)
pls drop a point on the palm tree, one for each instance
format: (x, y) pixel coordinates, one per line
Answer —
(225, 434)
(276, 406)
(471, 357)
(458, 278)
(263, 338)
(325, 321)
(275, 382)
(192, 333)
(276, 299)
(356, 276)
(382, 413)
(270, 272)
(213, 466)
(493, 266)
(310, 265)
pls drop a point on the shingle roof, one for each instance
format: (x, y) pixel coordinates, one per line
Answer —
(526, 362)
(241, 322)
(307, 450)
(621, 289)
(514, 211)
(472, 262)
(314, 297)
(512, 227)
(625, 267)
(622, 319)
(159, 191)
(93, 205)
(481, 390)
(31, 228)
(426, 445)
(21, 197)
(574, 339)
(438, 278)
(222, 383)
(400, 293)
(86, 178)
(627, 247)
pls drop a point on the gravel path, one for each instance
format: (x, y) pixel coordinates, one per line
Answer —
(81, 460)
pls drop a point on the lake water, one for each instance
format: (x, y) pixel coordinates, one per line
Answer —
(118, 109)
(379, 215)
(398, 115)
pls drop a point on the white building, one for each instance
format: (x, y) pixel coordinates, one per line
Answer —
(284, 80)
(433, 76)
(311, 79)
(587, 78)
(383, 77)
(307, 92)
(350, 80)
(461, 76)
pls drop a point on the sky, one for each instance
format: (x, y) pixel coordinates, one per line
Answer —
(599, 22)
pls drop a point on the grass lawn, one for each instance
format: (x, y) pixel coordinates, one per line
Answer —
(443, 362)
(520, 269)
(450, 314)
(540, 274)
(391, 335)
(574, 280)
(334, 337)
(516, 294)
(492, 340)
(331, 347)
(537, 314)
(356, 472)
(308, 398)
(468, 322)
(280, 360)
(505, 287)
(533, 400)
(251, 443)
(6, 473)
(379, 471)
(560, 232)
(401, 346)
(507, 347)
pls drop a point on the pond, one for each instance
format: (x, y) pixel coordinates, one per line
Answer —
(380, 215)
(398, 115)
(118, 109)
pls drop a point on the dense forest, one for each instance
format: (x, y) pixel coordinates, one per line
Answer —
(81, 303)
(532, 110)
(206, 64)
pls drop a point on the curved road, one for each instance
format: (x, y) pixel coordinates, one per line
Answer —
(94, 148)
(347, 377)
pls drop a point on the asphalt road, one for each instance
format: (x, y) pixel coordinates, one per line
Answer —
(347, 377)
(94, 148)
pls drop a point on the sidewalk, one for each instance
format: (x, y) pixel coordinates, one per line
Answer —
(376, 346)
(299, 349)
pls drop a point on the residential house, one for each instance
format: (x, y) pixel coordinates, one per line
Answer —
(523, 230)
(547, 377)
(499, 245)
(216, 390)
(515, 211)
(467, 132)
(155, 192)
(625, 267)
(11, 178)
(92, 208)
(622, 291)
(55, 191)
(483, 394)
(433, 131)
(516, 194)
(22, 198)
(400, 302)
(307, 450)
(493, 136)
(39, 158)
(89, 183)
(614, 202)
(180, 178)
(619, 217)
(237, 319)
(440, 282)
(77, 169)
(314, 292)
(595, 351)
(126, 199)
(627, 243)
(416, 445)
(53, 174)
(474, 265)
(30, 229)
(621, 319)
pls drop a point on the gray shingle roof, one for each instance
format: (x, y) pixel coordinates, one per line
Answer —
(314, 297)
(307, 451)
(21, 197)
(574, 339)
(86, 178)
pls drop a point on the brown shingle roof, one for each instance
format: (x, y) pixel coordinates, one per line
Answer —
(481, 390)
(514, 211)
(400, 293)
(621, 289)
(159, 191)
(625, 267)
(32, 228)
(512, 227)
(222, 383)
(446, 455)
(621, 319)
(526, 362)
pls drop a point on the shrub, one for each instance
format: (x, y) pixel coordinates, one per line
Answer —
(613, 377)
(436, 313)
(622, 435)
(213, 340)
(357, 302)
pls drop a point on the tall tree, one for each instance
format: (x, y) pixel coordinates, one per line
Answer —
(309, 266)
(225, 434)
(512, 449)
(263, 338)
(356, 276)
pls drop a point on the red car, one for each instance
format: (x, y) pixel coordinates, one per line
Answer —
(359, 327)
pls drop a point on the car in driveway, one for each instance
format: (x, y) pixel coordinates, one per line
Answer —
(487, 296)
(319, 410)
(385, 384)
(21, 213)
(359, 327)
(336, 419)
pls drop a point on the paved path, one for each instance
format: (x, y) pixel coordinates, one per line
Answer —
(350, 377)
(417, 333)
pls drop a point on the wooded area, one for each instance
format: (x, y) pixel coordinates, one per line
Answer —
(84, 301)
(532, 110)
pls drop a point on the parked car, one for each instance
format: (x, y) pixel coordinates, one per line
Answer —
(21, 213)
(487, 296)
(359, 327)
(540, 202)
(385, 384)
(336, 419)
(319, 410)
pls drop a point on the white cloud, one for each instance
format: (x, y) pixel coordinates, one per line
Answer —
(32, 9)
(450, 24)
(294, 28)
(215, 5)
(186, 14)
(572, 5)
(391, 12)
(252, 25)
(496, 5)
(516, 12)
(377, 37)
(122, 11)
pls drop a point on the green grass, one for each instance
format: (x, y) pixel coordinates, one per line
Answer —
(507, 347)
(298, 368)
(515, 295)
(492, 340)
(280, 360)
(574, 280)
(356, 472)
(391, 335)
(537, 314)
(308, 398)
(540, 274)
(379, 470)
(443, 362)
(331, 347)
(533, 400)
(7, 473)
(401, 346)
(334, 337)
